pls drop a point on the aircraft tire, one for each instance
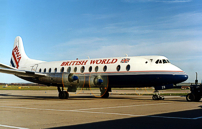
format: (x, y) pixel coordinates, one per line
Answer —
(155, 97)
(66, 95)
(63, 95)
(161, 98)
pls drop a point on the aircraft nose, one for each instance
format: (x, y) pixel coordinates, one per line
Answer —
(183, 77)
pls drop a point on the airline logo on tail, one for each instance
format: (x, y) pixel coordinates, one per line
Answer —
(16, 57)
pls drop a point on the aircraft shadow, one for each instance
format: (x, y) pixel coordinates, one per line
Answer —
(10, 96)
(26, 97)
(147, 122)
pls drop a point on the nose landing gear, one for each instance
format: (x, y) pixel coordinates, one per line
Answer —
(157, 96)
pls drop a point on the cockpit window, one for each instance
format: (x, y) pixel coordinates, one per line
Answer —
(164, 61)
(168, 61)
(160, 62)
(157, 61)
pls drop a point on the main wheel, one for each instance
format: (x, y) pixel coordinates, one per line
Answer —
(63, 95)
(66, 95)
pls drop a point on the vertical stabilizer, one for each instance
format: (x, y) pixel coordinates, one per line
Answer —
(18, 56)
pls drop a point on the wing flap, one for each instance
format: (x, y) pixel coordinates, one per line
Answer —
(22, 72)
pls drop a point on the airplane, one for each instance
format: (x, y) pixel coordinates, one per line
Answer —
(101, 73)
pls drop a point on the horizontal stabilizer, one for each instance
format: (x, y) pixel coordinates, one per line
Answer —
(5, 66)
(21, 73)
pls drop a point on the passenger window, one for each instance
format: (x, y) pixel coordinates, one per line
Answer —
(90, 69)
(40, 70)
(69, 69)
(82, 69)
(44, 70)
(157, 61)
(96, 68)
(62, 70)
(49, 70)
(75, 69)
(55, 70)
(118, 68)
(128, 67)
(105, 68)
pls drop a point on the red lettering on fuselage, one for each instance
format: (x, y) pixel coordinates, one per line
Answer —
(92, 62)
(114, 61)
(84, 62)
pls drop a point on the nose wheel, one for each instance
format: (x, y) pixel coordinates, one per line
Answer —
(157, 96)
(62, 94)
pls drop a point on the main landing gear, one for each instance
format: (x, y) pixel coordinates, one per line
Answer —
(105, 91)
(62, 94)
(106, 95)
(157, 96)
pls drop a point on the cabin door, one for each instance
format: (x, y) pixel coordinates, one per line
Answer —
(34, 68)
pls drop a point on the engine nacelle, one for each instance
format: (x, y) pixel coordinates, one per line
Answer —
(65, 79)
(98, 81)
(73, 81)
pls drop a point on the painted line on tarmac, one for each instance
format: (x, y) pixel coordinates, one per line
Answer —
(87, 108)
(14, 127)
(123, 106)
(91, 112)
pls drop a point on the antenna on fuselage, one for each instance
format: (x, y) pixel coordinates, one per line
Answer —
(88, 57)
(126, 55)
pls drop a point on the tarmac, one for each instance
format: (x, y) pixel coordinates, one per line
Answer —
(42, 109)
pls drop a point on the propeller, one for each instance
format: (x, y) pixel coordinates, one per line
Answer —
(98, 85)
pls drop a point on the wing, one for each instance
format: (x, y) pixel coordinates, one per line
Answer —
(10, 70)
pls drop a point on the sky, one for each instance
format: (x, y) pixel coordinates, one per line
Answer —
(54, 30)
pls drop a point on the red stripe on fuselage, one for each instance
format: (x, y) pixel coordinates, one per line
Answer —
(160, 71)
